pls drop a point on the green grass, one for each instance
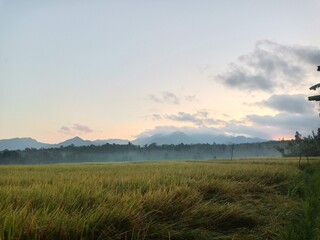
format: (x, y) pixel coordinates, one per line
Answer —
(305, 224)
(170, 200)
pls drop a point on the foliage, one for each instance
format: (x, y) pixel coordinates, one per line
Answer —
(305, 223)
(305, 146)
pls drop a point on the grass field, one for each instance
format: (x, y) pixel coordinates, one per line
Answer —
(242, 199)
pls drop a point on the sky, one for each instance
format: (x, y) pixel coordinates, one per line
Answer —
(124, 69)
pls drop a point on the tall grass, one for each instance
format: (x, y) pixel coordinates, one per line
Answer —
(172, 200)
(305, 224)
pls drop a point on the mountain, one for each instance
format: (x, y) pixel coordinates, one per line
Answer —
(224, 139)
(21, 143)
(160, 139)
(181, 137)
(111, 141)
(76, 141)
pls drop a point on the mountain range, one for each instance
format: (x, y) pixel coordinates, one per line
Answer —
(23, 143)
(181, 137)
(160, 139)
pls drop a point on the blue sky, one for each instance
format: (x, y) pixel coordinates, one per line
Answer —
(119, 69)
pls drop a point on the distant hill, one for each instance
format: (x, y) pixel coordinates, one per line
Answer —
(21, 143)
(76, 141)
(160, 139)
(181, 137)
(111, 141)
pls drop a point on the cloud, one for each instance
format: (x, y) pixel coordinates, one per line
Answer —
(286, 123)
(229, 130)
(166, 97)
(185, 117)
(155, 99)
(283, 124)
(271, 66)
(156, 117)
(265, 127)
(64, 130)
(81, 128)
(170, 97)
(200, 118)
(75, 129)
(296, 103)
(191, 98)
(167, 129)
(242, 79)
(240, 129)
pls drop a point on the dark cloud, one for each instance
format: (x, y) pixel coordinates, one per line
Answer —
(271, 65)
(307, 54)
(166, 97)
(241, 79)
(289, 103)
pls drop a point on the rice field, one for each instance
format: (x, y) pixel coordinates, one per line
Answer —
(241, 199)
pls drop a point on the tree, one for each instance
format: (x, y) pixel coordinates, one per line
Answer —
(232, 149)
(305, 146)
(298, 142)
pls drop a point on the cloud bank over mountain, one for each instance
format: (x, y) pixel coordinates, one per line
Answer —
(278, 77)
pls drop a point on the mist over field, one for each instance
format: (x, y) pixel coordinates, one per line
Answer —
(136, 153)
(159, 147)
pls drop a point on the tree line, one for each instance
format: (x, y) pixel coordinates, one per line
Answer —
(304, 146)
(130, 152)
